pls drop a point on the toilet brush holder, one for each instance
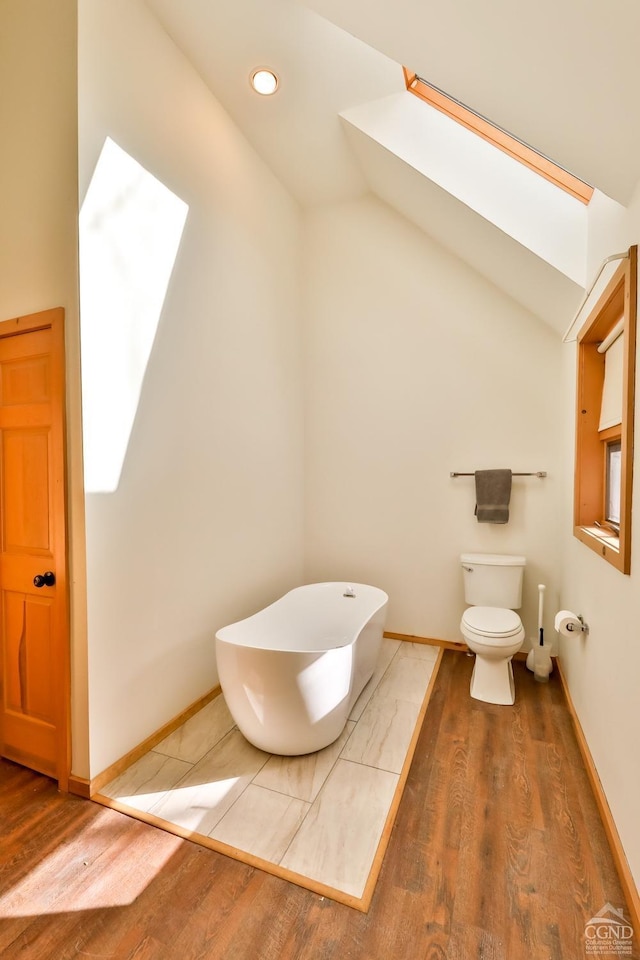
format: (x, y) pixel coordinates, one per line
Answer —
(549, 647)
(542, 665)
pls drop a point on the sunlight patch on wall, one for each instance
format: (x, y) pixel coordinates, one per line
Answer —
(130, 230)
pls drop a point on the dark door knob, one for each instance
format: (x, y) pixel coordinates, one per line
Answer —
(44, 579)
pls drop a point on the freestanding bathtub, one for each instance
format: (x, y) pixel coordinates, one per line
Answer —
(291, 673)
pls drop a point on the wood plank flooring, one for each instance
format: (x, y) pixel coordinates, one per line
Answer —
(498, 853)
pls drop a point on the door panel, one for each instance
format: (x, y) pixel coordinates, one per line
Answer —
(33, 621)
(28, 662)
(37, 654)
(13, 628)
(25, 491)
(26, 381)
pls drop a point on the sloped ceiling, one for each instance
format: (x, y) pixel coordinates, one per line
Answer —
(537, 286)
(562, 75)
(322, 71)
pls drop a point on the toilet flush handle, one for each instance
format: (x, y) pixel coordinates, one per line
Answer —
(468, 569)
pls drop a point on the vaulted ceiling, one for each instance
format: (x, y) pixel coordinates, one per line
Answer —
(560, 76)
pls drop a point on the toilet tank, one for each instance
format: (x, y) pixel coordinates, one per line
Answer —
(493, 579)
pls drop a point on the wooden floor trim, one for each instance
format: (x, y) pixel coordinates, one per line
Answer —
(80, 786)
(445, 644)
(432, 641)
(358, 903)
(87, 788)
(627, 881)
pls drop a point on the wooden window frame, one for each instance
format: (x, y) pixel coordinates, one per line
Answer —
(498, 138)
(619, 298)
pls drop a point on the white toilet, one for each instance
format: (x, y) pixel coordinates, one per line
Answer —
(491, 627)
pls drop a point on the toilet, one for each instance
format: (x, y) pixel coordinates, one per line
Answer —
(491, 627)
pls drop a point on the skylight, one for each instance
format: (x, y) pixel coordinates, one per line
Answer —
(458, 187)
(498, 138)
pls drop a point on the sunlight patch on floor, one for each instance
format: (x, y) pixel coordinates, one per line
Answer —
(60, 885)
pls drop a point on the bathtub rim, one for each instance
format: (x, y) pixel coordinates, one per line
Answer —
(343, 584)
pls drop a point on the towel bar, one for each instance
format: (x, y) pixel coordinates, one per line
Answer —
(538, 473)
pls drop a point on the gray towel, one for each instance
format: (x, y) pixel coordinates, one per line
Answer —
(493, 491)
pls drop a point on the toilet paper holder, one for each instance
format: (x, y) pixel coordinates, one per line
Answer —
(569, 624)
(583, 628)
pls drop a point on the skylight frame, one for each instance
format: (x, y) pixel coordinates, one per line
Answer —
(498, 138)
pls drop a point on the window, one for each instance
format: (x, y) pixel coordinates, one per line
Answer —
(604, 419)
(613, 479)
(499, 138)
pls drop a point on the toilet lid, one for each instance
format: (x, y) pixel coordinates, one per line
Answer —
(492, 621)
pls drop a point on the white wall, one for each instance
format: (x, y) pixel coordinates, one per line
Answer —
(206, 524)
(416, 366)
(602, 669)
(38, 160)
(39, 240)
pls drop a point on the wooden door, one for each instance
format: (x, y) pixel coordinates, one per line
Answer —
(34, 641)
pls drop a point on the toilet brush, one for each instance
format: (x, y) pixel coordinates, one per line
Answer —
(541, 655)
(541, 589)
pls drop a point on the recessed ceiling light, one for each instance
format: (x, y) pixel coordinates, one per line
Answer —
(264, 81)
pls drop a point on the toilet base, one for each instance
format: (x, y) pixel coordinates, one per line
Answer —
(492, 681)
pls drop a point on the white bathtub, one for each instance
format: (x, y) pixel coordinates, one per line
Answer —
(291, 673)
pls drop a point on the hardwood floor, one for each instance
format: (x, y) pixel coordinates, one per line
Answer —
(498, 853)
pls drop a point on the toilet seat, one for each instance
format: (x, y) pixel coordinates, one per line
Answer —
(493, 626)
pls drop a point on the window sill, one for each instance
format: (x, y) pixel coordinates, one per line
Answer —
(606, 544)
(604, 536)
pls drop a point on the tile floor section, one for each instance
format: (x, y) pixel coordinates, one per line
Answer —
(320, 815)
